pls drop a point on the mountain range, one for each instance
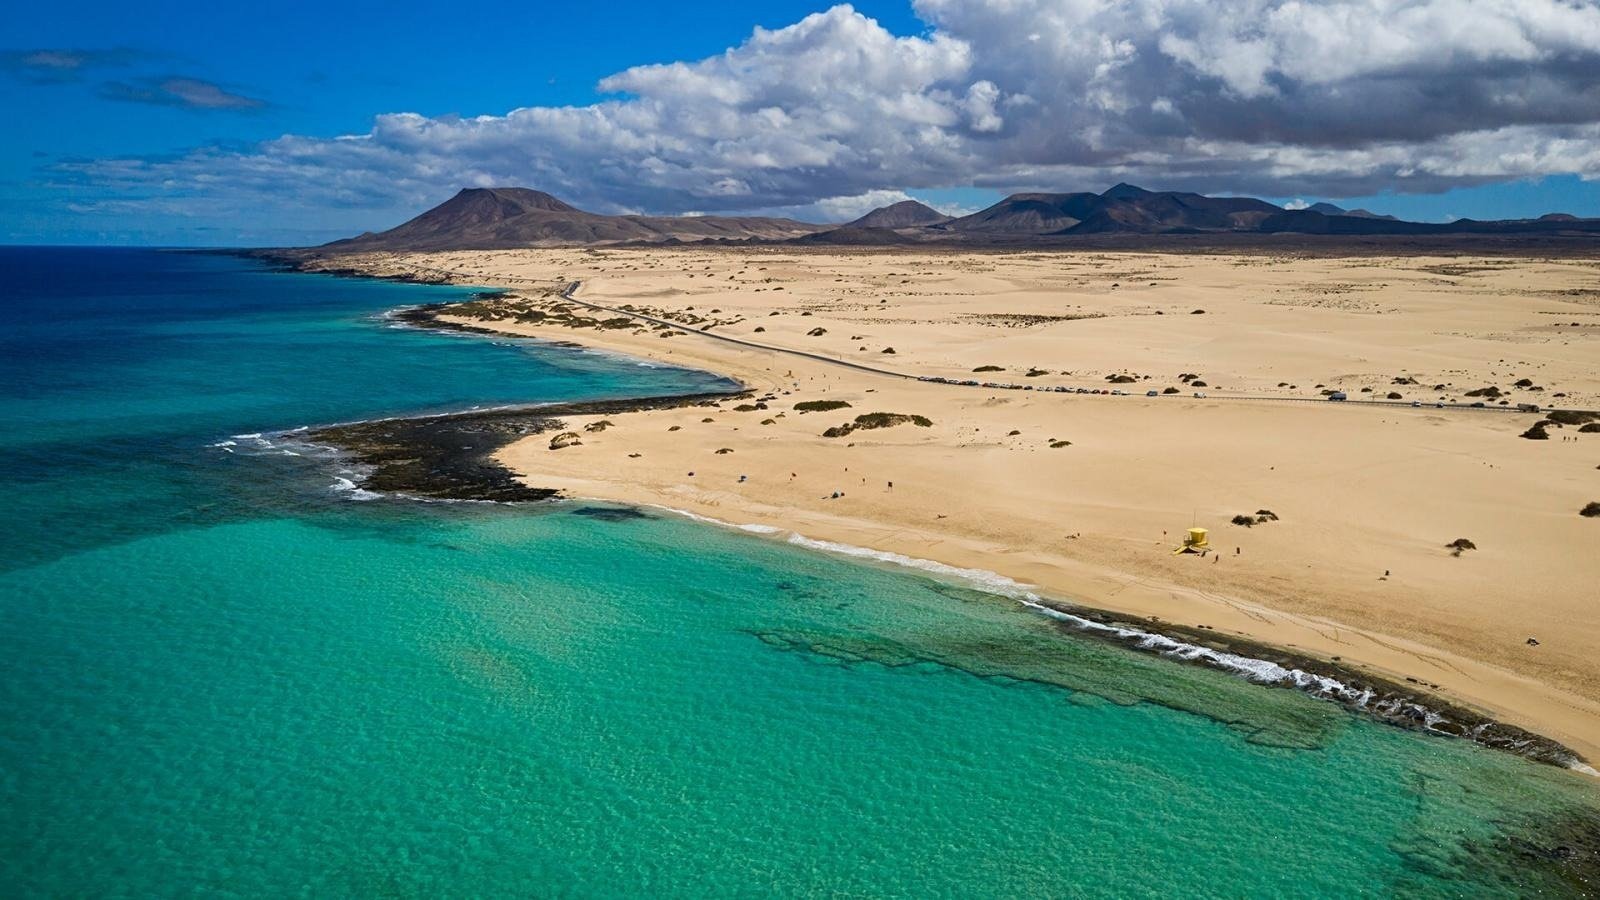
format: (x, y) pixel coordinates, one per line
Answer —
(497, 218)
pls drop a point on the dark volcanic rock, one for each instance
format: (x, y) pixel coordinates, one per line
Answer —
(451, 457)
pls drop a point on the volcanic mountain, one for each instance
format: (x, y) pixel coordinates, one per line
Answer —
(498, 218)
(905, 214)
(1122, 209)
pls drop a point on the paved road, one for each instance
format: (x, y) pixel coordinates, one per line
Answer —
(570, 291)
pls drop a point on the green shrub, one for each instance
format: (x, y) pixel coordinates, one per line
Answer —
(806, 406)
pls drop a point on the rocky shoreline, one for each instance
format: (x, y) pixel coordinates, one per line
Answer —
(1389, 701)
(451, 456)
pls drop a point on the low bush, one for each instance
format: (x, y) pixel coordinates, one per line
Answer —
(806, 406)
(877, 420)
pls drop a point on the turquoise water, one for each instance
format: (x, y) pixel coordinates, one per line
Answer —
(223, 676)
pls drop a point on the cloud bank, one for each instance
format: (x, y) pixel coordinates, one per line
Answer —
(1278, 97)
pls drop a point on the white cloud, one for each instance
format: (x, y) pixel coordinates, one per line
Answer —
(1296, 203)
(844, 209)
(1270, 96)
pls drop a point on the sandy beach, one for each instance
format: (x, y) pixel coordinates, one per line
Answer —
(1087, 495)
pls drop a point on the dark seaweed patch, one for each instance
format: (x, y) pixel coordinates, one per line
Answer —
(612, 513)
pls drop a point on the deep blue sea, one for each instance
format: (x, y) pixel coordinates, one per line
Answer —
(224, 673)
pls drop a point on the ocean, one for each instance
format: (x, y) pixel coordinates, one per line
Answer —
(230, 670)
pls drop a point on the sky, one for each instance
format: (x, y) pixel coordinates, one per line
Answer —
(291, 123)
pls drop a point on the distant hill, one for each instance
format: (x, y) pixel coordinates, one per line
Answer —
(1328, 209)
(498, 218)
(856, 236)
(905, 214)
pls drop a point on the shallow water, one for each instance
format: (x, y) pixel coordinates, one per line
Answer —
(224, 675)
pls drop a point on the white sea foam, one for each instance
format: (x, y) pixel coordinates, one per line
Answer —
(750, 527)
(342, 484)
(993, 582)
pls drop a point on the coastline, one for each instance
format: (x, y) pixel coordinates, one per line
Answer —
(460, 456)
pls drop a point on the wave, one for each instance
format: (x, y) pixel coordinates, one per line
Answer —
(291, 442)
(991, 582)
(342, 484)
(749, 527)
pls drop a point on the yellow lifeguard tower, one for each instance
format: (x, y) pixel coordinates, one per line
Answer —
(1195, 542)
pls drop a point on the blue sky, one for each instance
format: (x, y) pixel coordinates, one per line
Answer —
(145, 123)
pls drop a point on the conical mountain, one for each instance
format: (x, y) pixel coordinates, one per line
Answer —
(905, 214)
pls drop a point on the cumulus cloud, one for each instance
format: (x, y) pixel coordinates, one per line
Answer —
(843, 209)
(1280, 97)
